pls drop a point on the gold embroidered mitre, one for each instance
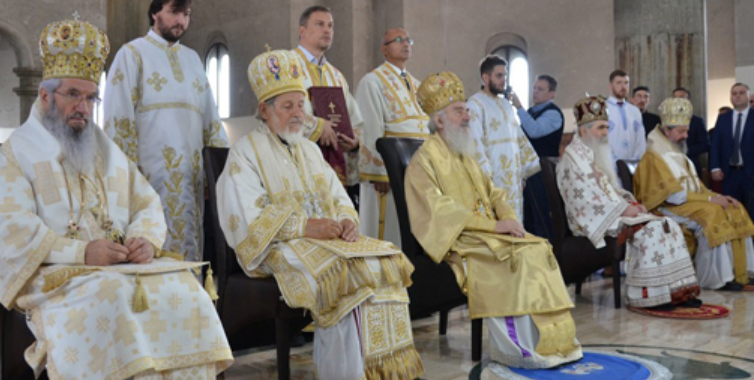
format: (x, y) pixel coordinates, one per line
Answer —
(590, 109)
(439, 90)
(73, 49)
(274, 73)
(675, 112)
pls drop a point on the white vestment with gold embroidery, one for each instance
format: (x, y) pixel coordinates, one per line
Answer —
(659, 269)
(82, 316)
(390, 109)
(266, 194)
(327, 75)
(159, 109)
(503, 150)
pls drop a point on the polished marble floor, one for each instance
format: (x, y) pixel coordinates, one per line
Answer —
(691, 349)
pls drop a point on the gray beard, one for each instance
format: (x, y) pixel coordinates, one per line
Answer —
(79, 148)
(603, 158)
(459, 141)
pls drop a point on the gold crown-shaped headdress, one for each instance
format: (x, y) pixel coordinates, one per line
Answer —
(589, 109)
(73, 49)
(274, 73)
(675, 112)
(438, 90)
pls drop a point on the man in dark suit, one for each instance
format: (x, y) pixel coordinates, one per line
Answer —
(698, 140)
(732, 158)
(640, 98)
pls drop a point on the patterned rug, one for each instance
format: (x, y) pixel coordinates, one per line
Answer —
(704, 312)
(593, 366)
(748, 288)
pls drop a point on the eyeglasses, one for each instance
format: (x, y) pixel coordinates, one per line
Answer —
(76, 97)
(401, 40)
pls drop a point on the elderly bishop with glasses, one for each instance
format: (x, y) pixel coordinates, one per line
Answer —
(74, 206)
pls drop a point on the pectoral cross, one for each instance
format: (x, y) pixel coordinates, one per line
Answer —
(311, 205)
(332, 107)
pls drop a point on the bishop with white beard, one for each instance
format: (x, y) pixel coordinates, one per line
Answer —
(659, 270)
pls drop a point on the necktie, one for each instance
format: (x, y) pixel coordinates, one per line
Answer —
(736, 158)
(405, 80)
(620, 104)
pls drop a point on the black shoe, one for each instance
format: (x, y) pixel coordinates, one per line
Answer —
(693, 303)
(732, 287)
(297, 340)
(663, 307)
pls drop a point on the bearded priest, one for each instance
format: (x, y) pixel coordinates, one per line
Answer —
(80, 232)
(718, 227)
(458, 216)
(659, 273)
(286, 214)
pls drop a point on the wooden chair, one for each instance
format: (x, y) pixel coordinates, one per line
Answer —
(434, 286)
(244, 300)
(577, 256)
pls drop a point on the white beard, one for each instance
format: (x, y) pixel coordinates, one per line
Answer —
(459, 139)
(292, 138)
(603, 158)
(79, 148)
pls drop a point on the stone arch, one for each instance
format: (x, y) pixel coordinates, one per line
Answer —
(216, 37)
(24, 52)
(505, 39)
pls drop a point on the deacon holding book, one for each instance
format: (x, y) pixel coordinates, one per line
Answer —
(326, 125)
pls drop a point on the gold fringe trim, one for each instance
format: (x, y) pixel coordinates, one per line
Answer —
(401, 364)
(346, 277)
(58, 278)
(140, 301)
(209, 285)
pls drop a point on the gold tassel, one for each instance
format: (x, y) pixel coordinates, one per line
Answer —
(514, 263)
(141, 302)
(172, 255)
(209, 285)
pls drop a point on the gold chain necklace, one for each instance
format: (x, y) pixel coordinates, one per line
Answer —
(74, 229)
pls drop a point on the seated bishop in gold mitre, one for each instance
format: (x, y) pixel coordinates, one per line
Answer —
(718, 226)
(286, 214)
(80, 231)
(511, 278)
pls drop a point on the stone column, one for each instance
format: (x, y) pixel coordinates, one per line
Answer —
(662, 44)
(27, 90)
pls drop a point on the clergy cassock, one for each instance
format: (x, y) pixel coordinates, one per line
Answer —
(503, 150)
(659, 268)
(159, 109)
(83, 316)
(387, 102)
(666, 182)
(328, 76)
(453, 209)
(355, 292)
(627, 137)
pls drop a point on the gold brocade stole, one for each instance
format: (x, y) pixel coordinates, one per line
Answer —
(556, 332)
(482, 206)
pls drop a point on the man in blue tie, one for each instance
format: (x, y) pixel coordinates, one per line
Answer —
(730, 163)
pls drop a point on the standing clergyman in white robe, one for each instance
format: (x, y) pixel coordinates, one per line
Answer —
(159, 109)
(503, 150)
(80, 231)
(659, 269)
(627, 137)
(286, 214)
(387, 100)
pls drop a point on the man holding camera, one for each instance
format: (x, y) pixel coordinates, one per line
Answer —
(503, 150)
